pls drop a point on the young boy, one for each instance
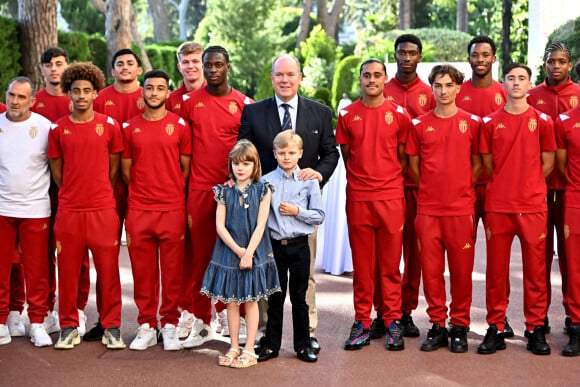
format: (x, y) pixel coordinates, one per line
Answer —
(517, 146)
(444, 161)
(84, 150)
(296, 208)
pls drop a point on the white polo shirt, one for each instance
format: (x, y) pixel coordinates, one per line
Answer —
(24, 167)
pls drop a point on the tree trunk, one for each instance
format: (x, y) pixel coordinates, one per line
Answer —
(120, 29)
(117, 27)
(329, 20)
(321, 13)
(506, 43)
(461, 24)
(333, 19)
(182, 11)
(304, 25)
(405, 14)
(160, 21)
(37, 25)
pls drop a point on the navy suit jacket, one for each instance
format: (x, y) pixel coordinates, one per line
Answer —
(260, 123)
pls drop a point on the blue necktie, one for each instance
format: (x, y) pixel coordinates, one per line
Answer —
(286, 121)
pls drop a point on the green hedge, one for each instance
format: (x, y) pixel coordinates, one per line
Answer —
(10, 66)
(439, 45)
(344, 77)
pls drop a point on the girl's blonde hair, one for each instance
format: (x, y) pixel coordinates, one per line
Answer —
(244, 150)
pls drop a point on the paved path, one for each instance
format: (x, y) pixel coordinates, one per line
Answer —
(90, 364)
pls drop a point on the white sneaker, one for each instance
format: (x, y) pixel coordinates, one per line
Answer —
(184, 325)
(4, 335)
(15, 324)
(222, 323)
(200, 333)
(51, 324)
(242, 328)
(170, 339)
(82, 328)
(146, 337)
(38, 336)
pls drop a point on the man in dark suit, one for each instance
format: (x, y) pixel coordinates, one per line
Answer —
(263, 120)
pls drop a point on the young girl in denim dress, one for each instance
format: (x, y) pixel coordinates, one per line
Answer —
(242, 268)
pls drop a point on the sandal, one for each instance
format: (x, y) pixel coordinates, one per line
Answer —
(245, 360)
(227, 358)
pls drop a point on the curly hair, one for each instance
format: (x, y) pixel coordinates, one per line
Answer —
(82, 71)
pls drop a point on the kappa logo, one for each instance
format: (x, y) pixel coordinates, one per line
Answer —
(542, 236)
(66, 131)
(116, 243)
(199, 105)
(500, 126)
(430, 129)
(390, 98)
(137, 130)
(177, 106)
(540, 102)
(357, 118)
(573, 101)
(467, 98)
(140, 103)
(576, 125)
(467, 246)
(40, 105)
(44, 226)
(109, 103)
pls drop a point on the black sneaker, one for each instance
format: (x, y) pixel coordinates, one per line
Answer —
(409, 327)
(96, 333)
(458, 339)
(358, 337)
(508, 332)
(573, 346)
(545, 328)
(567, 324)
(493, 341)
(436, 338)
(378, 328)
(395, 341)
(537, 342)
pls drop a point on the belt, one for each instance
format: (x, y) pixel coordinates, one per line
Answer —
(291, 241)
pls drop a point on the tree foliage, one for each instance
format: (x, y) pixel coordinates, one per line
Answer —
(250, 32)
(82, 16)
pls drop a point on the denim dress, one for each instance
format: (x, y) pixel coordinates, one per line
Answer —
(223, 279)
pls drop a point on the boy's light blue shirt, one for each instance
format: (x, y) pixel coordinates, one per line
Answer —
(303, 193)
